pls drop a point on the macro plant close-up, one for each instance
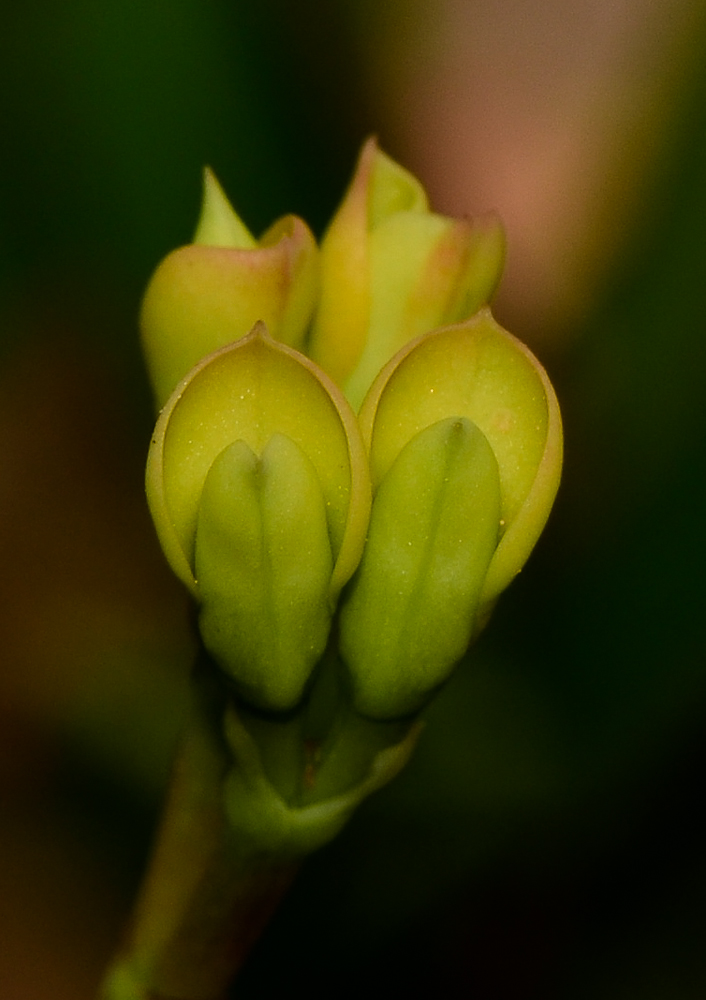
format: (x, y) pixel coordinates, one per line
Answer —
(341, 562)
(350, 621)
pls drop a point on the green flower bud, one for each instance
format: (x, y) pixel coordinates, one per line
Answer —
(471, 382)
(391, 270)
(433, 531)
(264, 573)
(213, 291)
(258, 485)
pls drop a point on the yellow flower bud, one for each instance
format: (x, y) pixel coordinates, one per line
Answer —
(260, 476)
(213, 291)
(472, 376)
(477, 370)
(258, 485)
(392, 270)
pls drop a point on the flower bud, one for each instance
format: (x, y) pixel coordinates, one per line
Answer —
(474, 376)
(264, 574)
(213, 291)
(433, 531)
(258, 486)
(391, 270)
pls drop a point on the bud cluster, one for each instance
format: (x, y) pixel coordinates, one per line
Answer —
(348, 444)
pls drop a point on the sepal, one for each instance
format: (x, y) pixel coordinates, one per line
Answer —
(265, 823)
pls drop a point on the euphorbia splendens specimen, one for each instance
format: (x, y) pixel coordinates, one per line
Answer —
(351, 463)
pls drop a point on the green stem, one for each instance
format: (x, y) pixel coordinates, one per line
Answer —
(230, 842)
(207, 894)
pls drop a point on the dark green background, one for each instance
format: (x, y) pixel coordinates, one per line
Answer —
(548, 838)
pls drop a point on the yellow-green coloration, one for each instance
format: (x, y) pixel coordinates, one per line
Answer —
(392, 270)
(219, 224)
(260, 475)
(250, 391)
(263, 563)
(265, 822)
(479, 371)
(411, 609)
(212, 292)
(340, 565)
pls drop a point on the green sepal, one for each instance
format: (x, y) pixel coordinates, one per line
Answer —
(410, 610)
(263, 562)
(263, 824)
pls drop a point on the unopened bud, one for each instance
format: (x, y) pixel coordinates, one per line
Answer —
(212, 292)
(392, 270)
(263, 563)
(433, 531)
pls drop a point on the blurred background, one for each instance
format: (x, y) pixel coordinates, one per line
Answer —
(547, 840)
